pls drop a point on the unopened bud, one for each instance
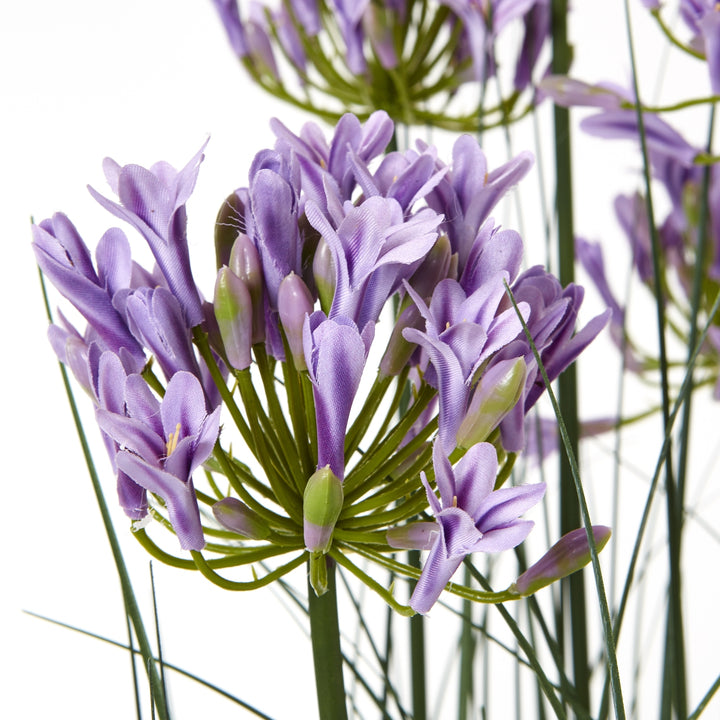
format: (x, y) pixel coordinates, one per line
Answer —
(414, 536)
(324, 274)
(570, 553)
(228, 221)
(294, 303)
(399, 350)
(237, 517)
(434, 268)
(245, 263)
(322, 503)
(496, 393)
(233, 312)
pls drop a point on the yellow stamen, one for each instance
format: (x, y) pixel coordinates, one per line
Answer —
(172, 440)
(454, 500)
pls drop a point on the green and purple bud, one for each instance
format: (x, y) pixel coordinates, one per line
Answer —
(234, 314)
(237, 517)
(325, 275)
(294, 303)
(497, 393)
(322, 503)
(245, 263)
(570, 553)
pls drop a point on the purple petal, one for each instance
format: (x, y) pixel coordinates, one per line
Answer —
(179, 498)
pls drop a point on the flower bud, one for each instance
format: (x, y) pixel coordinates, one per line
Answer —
(294, 303)
(322, 503)
(324, 273)
(434, 268)
(570, 553)
(245, 263)
(495, 395)
(237, 517)
(226, 228)
(233, 312)
(399, 349)
(414, 536)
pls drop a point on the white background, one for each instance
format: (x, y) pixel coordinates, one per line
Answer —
(141, 81)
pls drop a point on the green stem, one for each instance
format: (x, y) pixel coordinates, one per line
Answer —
(131, 605)
(327, 655)
(675, 643)
(417, 654)
(572, 589)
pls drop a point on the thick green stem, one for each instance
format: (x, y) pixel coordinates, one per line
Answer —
(573, 588)
(327, 656)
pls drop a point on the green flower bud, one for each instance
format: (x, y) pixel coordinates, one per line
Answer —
(226, 228)
(294, 303)
(233, 312)
(324, 274)
(495, 395)
(322, 503)
(245, 263)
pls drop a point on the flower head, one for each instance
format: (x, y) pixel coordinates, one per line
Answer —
(471, 516)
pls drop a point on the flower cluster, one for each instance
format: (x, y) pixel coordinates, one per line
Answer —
(326, 237)
(683, 246)
(409, 58)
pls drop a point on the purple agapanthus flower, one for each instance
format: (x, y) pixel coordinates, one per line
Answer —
(153, 202)
(471, 517)
(466, 195)
(163, 443)
(374, 247)
(64, 258)
(335, 354)
(553, 312)
(461, 333)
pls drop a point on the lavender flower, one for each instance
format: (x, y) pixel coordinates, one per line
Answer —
(335, 354)
(461, 333)
(163, 443)
(471, 517)
(64, 258)
(355, 51)
(153, 202)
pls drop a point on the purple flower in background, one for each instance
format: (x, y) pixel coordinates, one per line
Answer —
(662, 140)
(471, 516)
(64, 258)
(163, 443)
(335, 354)
(373, 248)
(153, 202)
(461, 333)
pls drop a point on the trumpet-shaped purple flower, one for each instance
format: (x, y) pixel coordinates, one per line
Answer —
(468, 193)
(163, 443)
(461, 333)
(335, 354)
(108, 379)
(471, 516)
(373, 249)
(551, 323)
(331, 164)
(153, 202)
(156, 317)
(64, 258)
